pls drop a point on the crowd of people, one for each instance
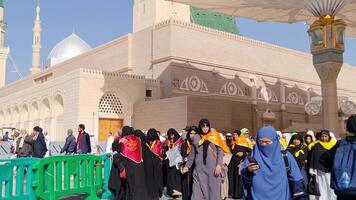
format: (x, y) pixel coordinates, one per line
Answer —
(37, 143)
(203, 164)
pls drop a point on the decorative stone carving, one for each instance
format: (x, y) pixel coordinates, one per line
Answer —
(294, 98)
(345, 106)
(269, 115)
(267, 95)
(195, 84)
(312, 108)
(110, 104)
(328, 70)
(348, 107)
(231, 89)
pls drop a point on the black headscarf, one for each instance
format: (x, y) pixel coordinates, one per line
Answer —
(317, 136)
(238, 132)
(323, 132)
(141, 135)
(229, 139)
(296, 137)
(305, 139)
(126, 130)
(37, 129)
(201, 123)
(206, 143)
(192, 128)
(152, 135)
(351, 124)
(173, 132)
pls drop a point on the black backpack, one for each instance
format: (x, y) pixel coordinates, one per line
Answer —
(296, 188)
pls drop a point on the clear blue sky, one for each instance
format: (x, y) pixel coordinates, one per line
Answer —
(98, 22)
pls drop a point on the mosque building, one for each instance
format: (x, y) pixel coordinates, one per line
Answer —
(178, 65)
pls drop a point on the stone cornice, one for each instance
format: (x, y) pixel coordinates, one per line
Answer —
(116, 75)
(232, 37)
(179, 61)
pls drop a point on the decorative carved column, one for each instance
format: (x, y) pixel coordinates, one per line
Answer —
(255, 116)
(328, 65)
(284, 114)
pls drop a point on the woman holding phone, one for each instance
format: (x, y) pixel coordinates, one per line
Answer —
(264, 173)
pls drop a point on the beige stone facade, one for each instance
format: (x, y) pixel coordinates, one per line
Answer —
(172, 74)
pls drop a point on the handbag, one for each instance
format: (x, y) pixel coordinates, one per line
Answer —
(313, 187)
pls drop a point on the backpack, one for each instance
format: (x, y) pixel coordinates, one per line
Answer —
(296, 187)
(343, 174)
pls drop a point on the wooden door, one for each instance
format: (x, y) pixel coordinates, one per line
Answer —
(107, 125)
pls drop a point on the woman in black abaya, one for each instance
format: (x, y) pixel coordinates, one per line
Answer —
(187, 179)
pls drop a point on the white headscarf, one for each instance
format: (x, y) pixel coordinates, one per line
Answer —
(311, 133)
(333, 136)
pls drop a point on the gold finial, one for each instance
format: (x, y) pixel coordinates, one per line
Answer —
(327, 17)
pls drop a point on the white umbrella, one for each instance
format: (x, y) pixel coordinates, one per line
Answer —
(326, 33)
(289, 11)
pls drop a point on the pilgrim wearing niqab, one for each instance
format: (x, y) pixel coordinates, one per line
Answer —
(153, 165)
(207, 156)
(174, 184)
(270, 181)
(320, 164)
(239, 146)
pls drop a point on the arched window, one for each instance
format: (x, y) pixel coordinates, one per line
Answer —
(58, 105)
(110, 104)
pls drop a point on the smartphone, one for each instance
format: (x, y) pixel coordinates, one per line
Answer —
(252, 160)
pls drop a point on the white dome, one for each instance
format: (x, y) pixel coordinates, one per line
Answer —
(68, 48)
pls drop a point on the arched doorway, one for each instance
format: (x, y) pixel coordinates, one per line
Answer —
(111, 113)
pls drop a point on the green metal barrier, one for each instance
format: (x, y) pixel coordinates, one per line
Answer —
(17, 176)
(60, 176)
(106, 158)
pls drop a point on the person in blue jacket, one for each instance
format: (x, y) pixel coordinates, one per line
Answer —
(39, 144)
(266, 176)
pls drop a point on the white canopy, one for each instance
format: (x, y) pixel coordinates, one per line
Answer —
(289, 11)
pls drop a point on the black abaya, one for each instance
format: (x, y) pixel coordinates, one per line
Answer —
(153, 172)
(187, 179)
(235, 182)
(134, 186)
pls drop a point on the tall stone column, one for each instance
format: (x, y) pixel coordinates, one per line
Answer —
(4, 51)
(283, 113)
(254, 107)
(328, 64)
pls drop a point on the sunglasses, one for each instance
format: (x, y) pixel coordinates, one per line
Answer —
(205, 125)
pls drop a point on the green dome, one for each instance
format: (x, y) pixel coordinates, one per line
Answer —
(214, 20)
(1, 3)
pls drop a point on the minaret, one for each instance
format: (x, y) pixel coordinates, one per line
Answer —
(147, 13)
(36, 46)
(4, 51)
